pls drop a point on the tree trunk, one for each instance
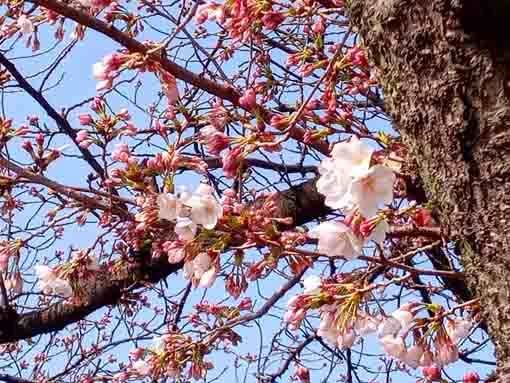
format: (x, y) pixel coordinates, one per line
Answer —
(444, 66)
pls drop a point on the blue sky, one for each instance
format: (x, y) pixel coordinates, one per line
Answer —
(76, 85)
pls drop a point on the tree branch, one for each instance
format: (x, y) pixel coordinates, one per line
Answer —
(106, 291)
(62, 123)
(222, 91)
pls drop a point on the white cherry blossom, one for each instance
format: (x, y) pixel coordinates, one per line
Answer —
(337, 239)
(141, 367)
(329, 334)
(168, 205)
(25, 24)
(458, 329)
(201, 269)
(405, 317)
(353, 156)
(201, 264)
(185, 228)
(312, 285)
(49, 282)
(394, 346)
(345, 341)
(205, 210)
(208, 278)
(100, 71)
(372, 189)
(334, 185)
(389, 326)
(366, 325)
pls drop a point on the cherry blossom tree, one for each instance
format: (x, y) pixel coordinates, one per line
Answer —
(263, 191)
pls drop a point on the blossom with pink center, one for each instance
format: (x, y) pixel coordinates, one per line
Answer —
(337, 239)
(348, 181)
(215, 140)
(231, 161)
(205, 208)
(175, 251)
(122, 153)
(136, 354)
(82, 135)
(374, 188)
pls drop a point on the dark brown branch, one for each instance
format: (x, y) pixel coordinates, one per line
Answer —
(13, 379)
(107, 291)
(224, 92)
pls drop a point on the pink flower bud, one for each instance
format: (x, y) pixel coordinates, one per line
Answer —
(272, 20)
(303, 374)
(249, 99)
(136, 353)
(471, 377)
(432, 373)
(82, 135)
(27, 145)
(85, 119)
(39, 139)
(245, 304)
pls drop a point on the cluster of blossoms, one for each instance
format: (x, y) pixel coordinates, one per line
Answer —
(343, 321)
(240, 17)
(350, 182)
(61, 279)
(41, 156)
(190, 211)
(243, 19)
(168, 358)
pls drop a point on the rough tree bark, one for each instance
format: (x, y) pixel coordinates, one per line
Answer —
(444, 66)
